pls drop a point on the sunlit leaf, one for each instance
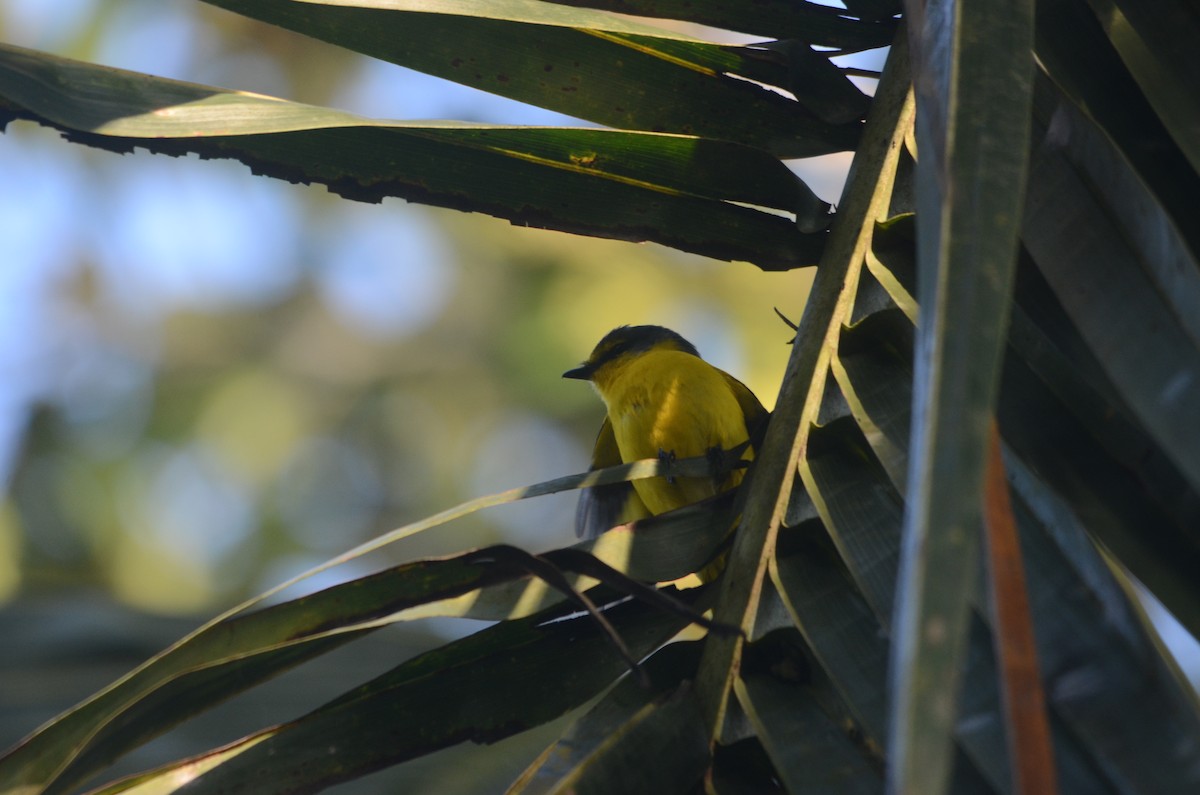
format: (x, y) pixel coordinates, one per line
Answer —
(865, 201)
(810, 22)
(672, 189)
(588, 64)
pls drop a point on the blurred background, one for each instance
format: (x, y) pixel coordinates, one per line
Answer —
(213, 381)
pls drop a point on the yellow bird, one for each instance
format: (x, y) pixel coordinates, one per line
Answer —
(665, 402)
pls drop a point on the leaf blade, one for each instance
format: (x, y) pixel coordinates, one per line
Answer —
(675, 190)
(579, 62)
(974, 75)
(774, 472)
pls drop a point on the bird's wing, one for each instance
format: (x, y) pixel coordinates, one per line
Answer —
(752, 410)
(602, 507)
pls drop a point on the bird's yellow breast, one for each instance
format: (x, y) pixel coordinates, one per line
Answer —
(668, 402)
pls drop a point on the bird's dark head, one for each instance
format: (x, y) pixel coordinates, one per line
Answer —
(626, 341)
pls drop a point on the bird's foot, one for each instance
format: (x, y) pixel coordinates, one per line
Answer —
(667, 457)
(719, 464)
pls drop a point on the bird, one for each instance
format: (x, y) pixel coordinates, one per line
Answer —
(662, 401)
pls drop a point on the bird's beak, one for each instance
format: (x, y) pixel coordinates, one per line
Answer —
(583, 372)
